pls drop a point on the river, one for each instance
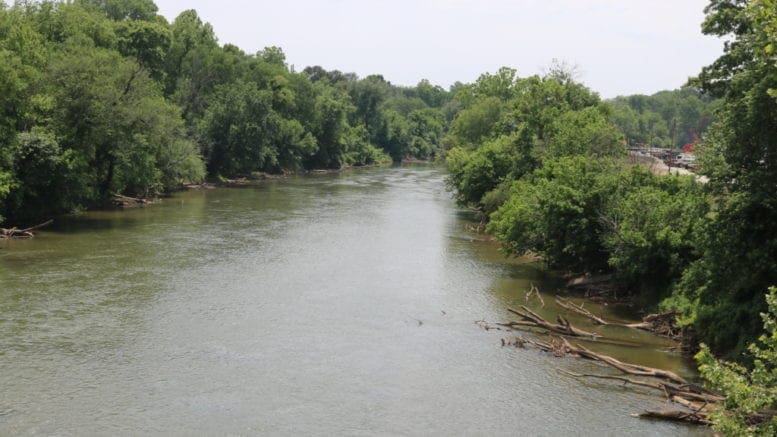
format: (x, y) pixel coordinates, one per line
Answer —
(338, 304)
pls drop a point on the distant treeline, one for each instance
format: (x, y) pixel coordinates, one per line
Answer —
(105, 96)
(99, 97)
(665, 119)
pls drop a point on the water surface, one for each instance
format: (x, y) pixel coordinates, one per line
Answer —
(324, 305)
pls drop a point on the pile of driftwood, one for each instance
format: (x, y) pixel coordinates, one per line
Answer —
(696, 401)
(16, 233)
(693, 402)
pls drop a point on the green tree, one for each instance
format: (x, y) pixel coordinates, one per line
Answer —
(146, 42)
(556, 213)
(585, 132)
(723, 291)
(124, 9)
(48, 180)
(751, 394)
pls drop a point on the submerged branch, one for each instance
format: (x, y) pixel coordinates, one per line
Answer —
(22, 233)
(563, 327)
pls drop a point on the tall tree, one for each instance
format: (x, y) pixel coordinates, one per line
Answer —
(739, 243)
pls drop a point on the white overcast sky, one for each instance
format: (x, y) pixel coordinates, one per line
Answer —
(620, 46)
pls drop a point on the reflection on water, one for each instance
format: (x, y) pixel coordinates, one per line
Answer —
(329, 304)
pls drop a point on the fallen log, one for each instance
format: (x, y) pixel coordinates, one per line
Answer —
(22, 233)
(563, 327)
(578, 309)
(661, 324)
(123, 201)
(697, 418)
(681, 394)
(628, 368)
(560, 344)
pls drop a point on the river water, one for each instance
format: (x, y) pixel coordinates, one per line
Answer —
(340, 304)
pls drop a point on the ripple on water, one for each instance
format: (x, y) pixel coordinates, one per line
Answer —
(331, 304)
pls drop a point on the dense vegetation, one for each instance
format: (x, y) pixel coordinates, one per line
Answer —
(666, 119)
(541, 157)
(99, 97)
(104, 96)
(544, 158)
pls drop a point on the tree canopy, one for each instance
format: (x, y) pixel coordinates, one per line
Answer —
(99, 97)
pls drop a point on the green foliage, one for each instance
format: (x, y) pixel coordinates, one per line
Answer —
(556, 213)
(722, 293)
(147, 42)
(509, 124)
(426, 128)
(585, 132)
(477, 123)
(473, 174)
(238, 130)
(48, 179)
(106, 97)
(123, 9)
(749, 392)
(665, 119)
(359, 151)
(651, 223)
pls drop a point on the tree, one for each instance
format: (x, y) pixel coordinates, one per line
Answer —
(751, 395)
(146, 42)
(477, 123)
(331, 128)
(368, 95)
(48, 179)
(238, 129)
(585, 132)
(556, 213)
(723, 291)
(124, 9)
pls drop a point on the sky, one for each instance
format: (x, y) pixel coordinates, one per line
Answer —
(620, 47)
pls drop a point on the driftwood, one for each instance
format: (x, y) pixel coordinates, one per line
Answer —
(661, 324)
(695, 417)
(698, 401)
(694, 403)
(687, 395)
(534, 291)
(627, 368)
(22, 233)
(560, 346)
(578, 309)
(531, 319)
(123, 201)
